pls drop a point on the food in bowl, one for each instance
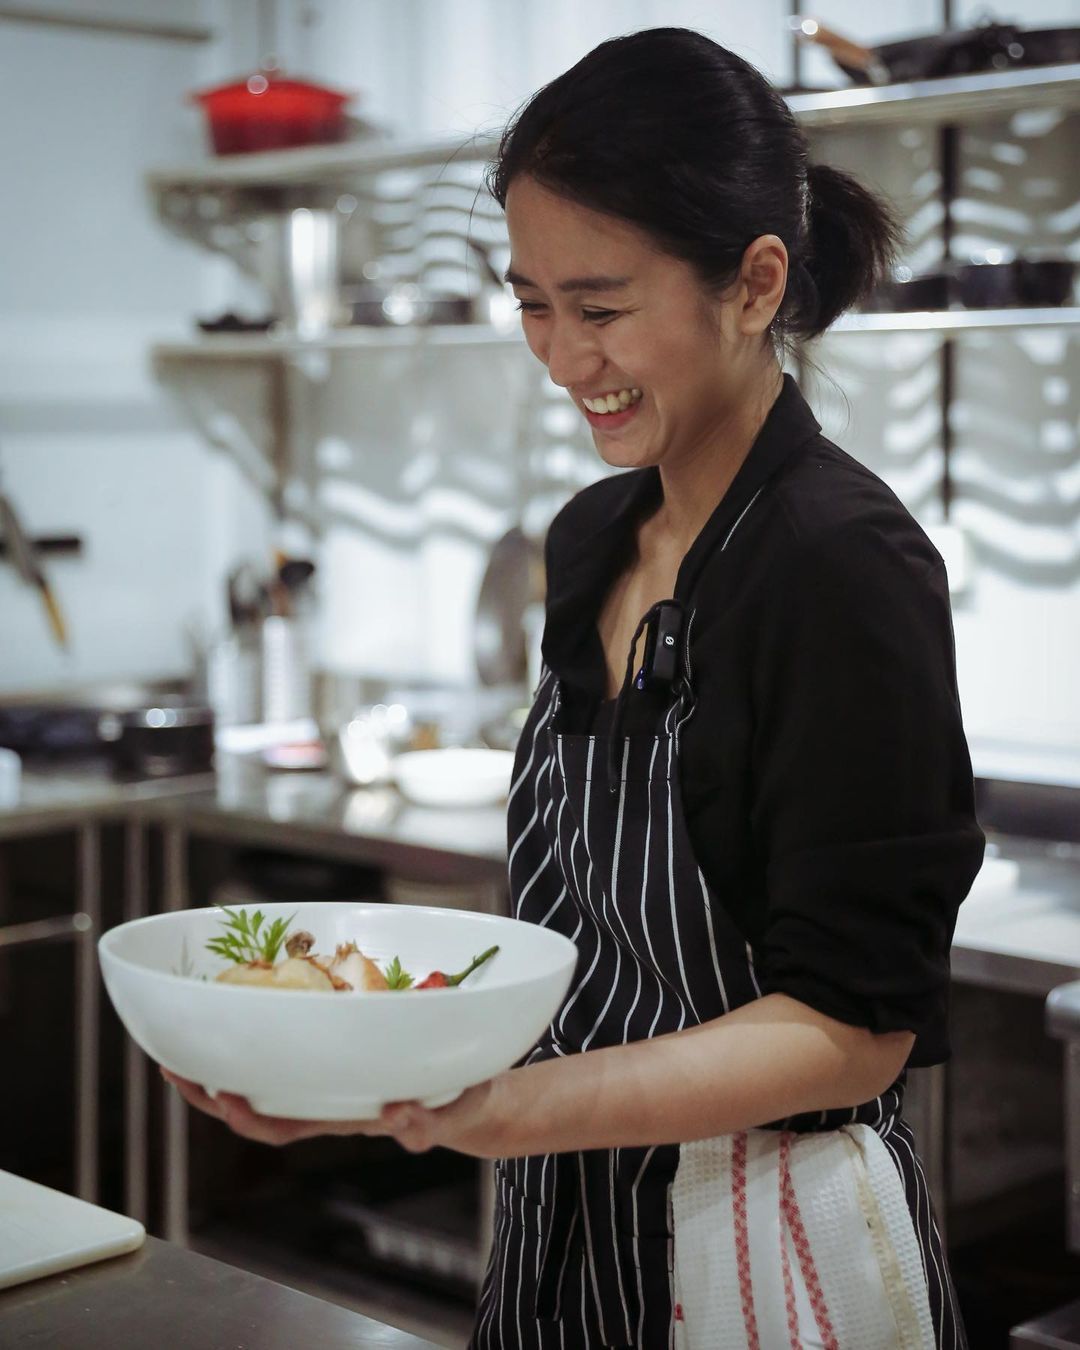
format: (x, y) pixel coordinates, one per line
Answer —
(253, 950)
(327, 1054)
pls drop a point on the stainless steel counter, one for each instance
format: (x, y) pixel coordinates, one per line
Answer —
(1027, 942)
(244, 802)
(317, 812)
(1029, 945)
(164, 1295)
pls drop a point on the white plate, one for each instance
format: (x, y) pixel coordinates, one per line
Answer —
(454, 777)
(339, 1056)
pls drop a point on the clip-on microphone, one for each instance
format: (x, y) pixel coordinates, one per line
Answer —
(661, 662)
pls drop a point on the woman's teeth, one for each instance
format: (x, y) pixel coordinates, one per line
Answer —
(612, 403)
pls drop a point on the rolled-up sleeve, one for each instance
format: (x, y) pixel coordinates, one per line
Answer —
(862, 796)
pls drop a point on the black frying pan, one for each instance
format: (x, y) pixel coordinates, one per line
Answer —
(990, 46)
(1025, 282)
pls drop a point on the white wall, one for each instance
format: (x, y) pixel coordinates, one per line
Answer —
(89, 443)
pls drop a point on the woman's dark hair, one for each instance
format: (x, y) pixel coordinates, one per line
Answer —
(671, 132)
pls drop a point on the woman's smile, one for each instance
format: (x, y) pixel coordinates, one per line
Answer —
(609, 412)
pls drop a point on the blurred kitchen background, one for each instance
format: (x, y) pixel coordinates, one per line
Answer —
(275, 470)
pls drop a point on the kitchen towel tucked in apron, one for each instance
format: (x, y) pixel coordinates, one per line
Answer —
(787, 1240)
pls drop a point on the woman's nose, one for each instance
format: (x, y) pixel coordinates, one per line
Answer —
(571, 354)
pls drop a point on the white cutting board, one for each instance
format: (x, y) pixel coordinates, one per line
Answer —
(43, 1231)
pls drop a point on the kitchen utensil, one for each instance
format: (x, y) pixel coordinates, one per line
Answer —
(989, 46)
(339, 1056)
(43, 1231)
(286, 676)
(297, 258)
(980, 284)
(512, 581)
(403, 304)
(295, 573)
(233, 678)
(368, 742)
(10, 778)
(289, 586)
(454, 777)
(161, 741)
(1019, 281)
(24, 560)
(228, 322)
(65, 723)
(268, 111)
(905, 291)
(245, 597)
(495, 302)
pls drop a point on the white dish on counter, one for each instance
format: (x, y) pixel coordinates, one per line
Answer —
(454, 777)
(339, 1056)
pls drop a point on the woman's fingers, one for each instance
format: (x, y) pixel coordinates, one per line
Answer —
(193, 1094)
(414, 1127)
(242, 1120)
(410, 1124)
(236, 1112)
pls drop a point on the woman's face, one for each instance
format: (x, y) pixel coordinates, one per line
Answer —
(613, 318)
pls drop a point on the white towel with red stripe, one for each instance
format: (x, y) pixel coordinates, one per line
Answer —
(796, 1242)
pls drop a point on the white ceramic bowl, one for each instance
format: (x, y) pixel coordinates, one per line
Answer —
(454, 777)
(339, 1056)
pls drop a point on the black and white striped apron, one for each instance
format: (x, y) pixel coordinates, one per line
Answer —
(813, 1231)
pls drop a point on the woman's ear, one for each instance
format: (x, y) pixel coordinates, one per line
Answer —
(763, 277)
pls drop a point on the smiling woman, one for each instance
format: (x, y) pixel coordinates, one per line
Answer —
(743, 791)
(658, 332)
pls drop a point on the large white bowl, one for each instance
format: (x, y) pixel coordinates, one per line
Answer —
(339, 1056)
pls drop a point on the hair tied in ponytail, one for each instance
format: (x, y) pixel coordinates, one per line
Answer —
(853, 238)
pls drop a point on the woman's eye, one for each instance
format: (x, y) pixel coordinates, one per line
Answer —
(536, 310)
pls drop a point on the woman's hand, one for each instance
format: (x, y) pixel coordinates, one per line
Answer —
(472, 1124)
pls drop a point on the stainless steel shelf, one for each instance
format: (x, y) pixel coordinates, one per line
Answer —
(958, 320)
(317, 165)
(260, 346)
(960, 98)
(957, 99)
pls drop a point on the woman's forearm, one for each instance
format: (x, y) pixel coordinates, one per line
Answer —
(770, 1059)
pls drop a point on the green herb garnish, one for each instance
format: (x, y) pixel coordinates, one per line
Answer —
(397, 978)
(247, 940)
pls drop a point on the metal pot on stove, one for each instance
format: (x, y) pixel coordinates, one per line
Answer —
(161, 741)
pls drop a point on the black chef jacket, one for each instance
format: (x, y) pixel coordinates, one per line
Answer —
(825, 776)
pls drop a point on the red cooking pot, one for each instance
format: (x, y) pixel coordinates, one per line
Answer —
(269, 112)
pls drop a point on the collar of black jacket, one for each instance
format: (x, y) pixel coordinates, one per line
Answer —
(593, 540)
